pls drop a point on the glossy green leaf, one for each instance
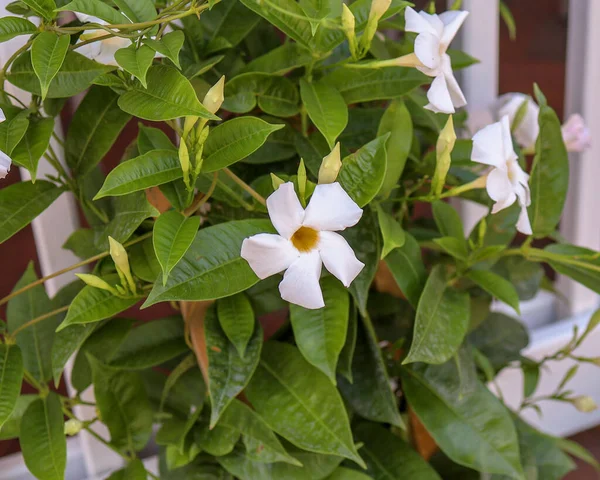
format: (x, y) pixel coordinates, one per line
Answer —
(174, 430)
(42, 439)
(151, 344)
(278, 146)
(280, 60)
(343, 473)
(390, 458)
(152, 139)
(12, 426)
(169, 95)
(33, 145)
(11, 27)
(133, 471)
(44, 8)
(550, 173)
(447, 220)
(300, 403)
(359, 85)
(391, 231)
(488, 440)
(228, 372)
(563, 255)
(235, 140)
(363, 171)
(36, 340)
(407, 268)
(94, 128)
(75, 75)
(347, 354)
(143, 261)
(218, 441)
(525, 275)
(441, 322)
(325, 107)
(137, 10)
(370, 394)
(236, 318)
(496, 286)
(48, 52)
(453, 246)
(66, 343)
(149, 170)
(96, 8)
(320, 334)
(11, 376)
(212, 266)
(123, 404)
(136, 61)
(228, 22)
(274, 95)
(12, 130)
(169, 45)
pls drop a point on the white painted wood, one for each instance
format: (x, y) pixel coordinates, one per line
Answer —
(580, 224)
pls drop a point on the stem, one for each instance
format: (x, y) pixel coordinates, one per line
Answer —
(30, 379)
(39, 319)
(68, 269)
(12, 59)
(253, 193)
(15, 98)
(202, 198)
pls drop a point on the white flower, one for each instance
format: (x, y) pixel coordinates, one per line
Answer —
(576, 134)
(507, 182)
(5, 161)
(102, 51)
(306, 241)
(528, 130)
(435, 35)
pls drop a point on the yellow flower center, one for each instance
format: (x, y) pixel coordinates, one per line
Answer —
(305, 239)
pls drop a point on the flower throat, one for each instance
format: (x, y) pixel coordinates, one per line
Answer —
(305, 239)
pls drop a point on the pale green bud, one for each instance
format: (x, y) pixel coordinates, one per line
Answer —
(96, 282)
(188, 125)
(276, 181)
(443, 149)
(349, 26)
(215, 96)
(584, 403)
(184, 161)
(302, 182)
(121, 259)
(73, 427)
(378, 8)
(331, 165)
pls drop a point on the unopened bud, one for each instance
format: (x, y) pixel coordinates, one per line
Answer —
(215, 96)
(73, 427)
(94, 281)
(443, 149)
(349, 25)
(302, 181)
(184, 161)
(584, 403)
(188, 125)
(119, 256)
(378, 8)
(276, 181)
(331, 165)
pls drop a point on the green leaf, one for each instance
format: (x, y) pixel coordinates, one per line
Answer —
(149, 170)
(48, 53)
(453, 246)
(300, 403)
(67, 342)
(96, 8)
(397, 122)
(496, 286)
(136, 61)
(274, 95)
(549, 180)
(34, 144)
(363, 172)
(447, 220)
(228, 373)
(280, 60)
(94, 128)
(577, 451)
(360, 85)
(93, 304)
(11, 376)
(169, 45)
(133, 471)
(347, 354)
(278, 146)
(76, 74)
(11, 27)
(172, 236)
(123, 404)
(218, 441)
(42, 438)
(562, 256)
(320, 334)
(407, 268)
(500, 338)
(433, 392)
(391, 231)
(370, 394)
(153, 139)
(44, 8)
(326, 108)
(228, 22)
(143, 261)
(12, 131)
(234, 140)
(12, 426)
(150, 344)
(236, 318)
(342, 473)
(169, 95)
(441, 322)
(212, 266)
(137, 10)
(390, 458)
(36, 340)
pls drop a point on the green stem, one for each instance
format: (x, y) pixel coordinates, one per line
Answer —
(39, 319)
(253, 193)
(11, 60)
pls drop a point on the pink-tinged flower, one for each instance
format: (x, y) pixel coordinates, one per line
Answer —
(305, 241)
(576, 134)
(507, 182)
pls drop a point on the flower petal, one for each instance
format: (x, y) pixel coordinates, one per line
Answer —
(500, 189)
(331, 208)
(427, 49)
(268, 254)
(285, 210)
(300, 284)
(488, 147)
(576, 134)
(452, 20)
(422, 22)
(507, 143)
(523, 224)
(456, 94)
(5, 163)
(528, 129)
(439, 96)
(2, 116)
(339, 258)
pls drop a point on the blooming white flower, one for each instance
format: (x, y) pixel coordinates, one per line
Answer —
(5, 161)
(507, 182)
(576, 134)
(102, 51)
(306, 241)
(435, 33)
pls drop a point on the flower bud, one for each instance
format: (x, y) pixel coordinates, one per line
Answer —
(188, 125)
(302, 182)
(96, 282)
(378, 8)
(119, 256)
(584, 403)
(349, 26)
(215, 96)
(184, 161)
(576, 134)
(443, 149)
(276, 181)
(73, 427)
(330, 167)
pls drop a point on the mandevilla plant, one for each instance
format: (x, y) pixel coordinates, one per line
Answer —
(296, 135)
